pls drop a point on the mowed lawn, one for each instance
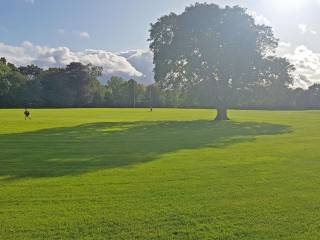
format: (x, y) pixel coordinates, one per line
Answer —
(166, 174)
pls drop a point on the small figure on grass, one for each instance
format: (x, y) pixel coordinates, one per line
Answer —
(27, 114)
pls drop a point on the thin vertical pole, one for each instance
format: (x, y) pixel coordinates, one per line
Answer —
(150, 96)
(134, 95)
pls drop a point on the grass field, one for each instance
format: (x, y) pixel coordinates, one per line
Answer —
(169, 174)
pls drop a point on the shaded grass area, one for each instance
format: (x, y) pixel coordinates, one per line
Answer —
(172, 174)
(94, 146)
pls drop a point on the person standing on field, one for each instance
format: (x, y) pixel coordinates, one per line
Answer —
(27, 114)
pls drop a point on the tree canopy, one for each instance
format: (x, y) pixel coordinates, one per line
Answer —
(222, 49)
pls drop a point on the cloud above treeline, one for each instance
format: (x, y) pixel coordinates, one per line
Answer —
(306, 61)
(304, 29)
(136, 64)
(259, 18)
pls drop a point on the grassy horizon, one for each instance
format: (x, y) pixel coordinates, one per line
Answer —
(166, 174)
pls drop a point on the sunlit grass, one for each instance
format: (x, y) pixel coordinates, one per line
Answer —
(169, 174)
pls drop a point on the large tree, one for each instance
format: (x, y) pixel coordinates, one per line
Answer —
(220, 48)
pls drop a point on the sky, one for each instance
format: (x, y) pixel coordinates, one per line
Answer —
(114, 33)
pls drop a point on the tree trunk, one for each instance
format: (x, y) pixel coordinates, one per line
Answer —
(222, 114)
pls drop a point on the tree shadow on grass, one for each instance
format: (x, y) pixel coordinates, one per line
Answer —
(89, 147)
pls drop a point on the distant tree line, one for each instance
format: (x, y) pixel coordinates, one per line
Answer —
(78, 85)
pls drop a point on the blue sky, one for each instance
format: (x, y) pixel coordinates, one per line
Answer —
(112, 25)
(53, 32)
(117, 25)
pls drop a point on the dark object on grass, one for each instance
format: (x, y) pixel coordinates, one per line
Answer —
(27, 114)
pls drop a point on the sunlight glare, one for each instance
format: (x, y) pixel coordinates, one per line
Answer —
(285, 5)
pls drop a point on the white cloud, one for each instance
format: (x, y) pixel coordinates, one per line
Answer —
(30, 1)
(81, 34)
(84, 35)
(306, 61)
(14, 54)
(304, 29)
(142, 61)
(259, 18)
(314, 32)
(284, 48)
(285, 44)
(112, 63)
(27, 44)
